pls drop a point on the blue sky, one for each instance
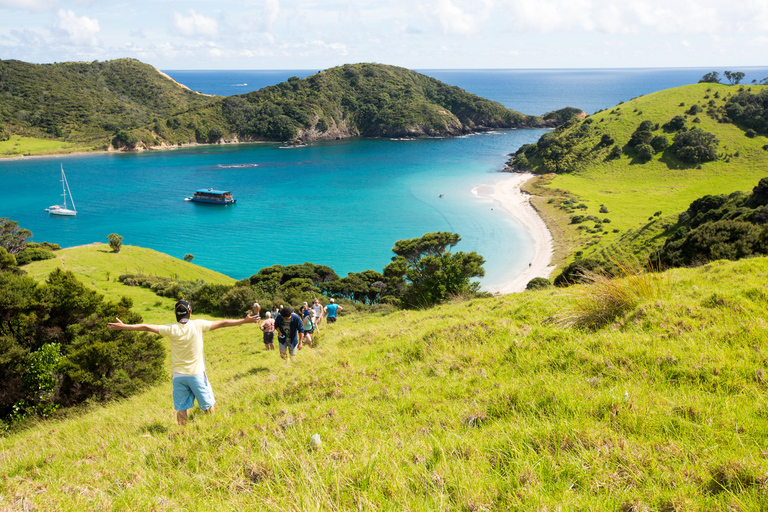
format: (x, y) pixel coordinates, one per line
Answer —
(419, 34)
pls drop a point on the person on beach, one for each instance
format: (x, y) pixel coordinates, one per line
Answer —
(318, 309)
(268, 328)
(331, 310)
(290, 332)
(190, 381)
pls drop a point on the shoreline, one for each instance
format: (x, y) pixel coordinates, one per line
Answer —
(514, 202)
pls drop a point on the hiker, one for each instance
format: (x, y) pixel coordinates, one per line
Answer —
(331, 310)
(318, 309)
(268, 328)
(309, 326)
(290, 332)
(190, 381)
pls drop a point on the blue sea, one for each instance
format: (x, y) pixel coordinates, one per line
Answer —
(343, 203)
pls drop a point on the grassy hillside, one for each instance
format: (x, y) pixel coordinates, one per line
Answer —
(56, 108)
(87, 103)
(492, 404)
(631, 191)
(96, 265)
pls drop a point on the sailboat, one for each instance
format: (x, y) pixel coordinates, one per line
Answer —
(59, 209)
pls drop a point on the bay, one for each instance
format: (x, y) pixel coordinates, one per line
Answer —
(342, 203)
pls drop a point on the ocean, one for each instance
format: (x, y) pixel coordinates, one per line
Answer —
(342, 203)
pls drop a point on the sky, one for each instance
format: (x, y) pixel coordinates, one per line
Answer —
(417, 34)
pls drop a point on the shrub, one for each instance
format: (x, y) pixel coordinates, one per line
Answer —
(237, 301)
(33, 254)
(189, 257)
(675, 124)
(538, 283)
(659, 143)
(615, 152)
(645, 152)
(640, 137)
(115, 241)
(207, 298)
(603, 208)
(751, 133)
(695, 146)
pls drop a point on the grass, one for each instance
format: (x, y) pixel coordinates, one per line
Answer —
(633, 192)
(478, 405)
(18, 146)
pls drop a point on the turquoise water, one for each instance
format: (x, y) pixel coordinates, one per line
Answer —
(343, 203)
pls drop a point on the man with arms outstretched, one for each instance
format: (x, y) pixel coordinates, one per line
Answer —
(187, 359)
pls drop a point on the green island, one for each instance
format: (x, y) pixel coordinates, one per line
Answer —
(637, 383)
(125, 104)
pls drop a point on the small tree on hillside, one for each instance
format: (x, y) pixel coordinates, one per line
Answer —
(430, 272)
(734, 77)
(12, 238)
(711, 78)
(115, 242)
(189, 257)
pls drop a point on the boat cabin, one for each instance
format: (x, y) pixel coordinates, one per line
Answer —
(209, 195)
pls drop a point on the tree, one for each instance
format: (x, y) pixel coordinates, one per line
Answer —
(115, 242)
(430, 272)
(695, 146)
(645, 152)
(189, 257)
(711, 78)
(12, 238)
(734, 77)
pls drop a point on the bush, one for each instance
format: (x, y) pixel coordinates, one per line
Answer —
(660, 143)
(695, 146)
(31, 254)
(676, 124)
(645, 152)
(538, 283)
(115, 242)
(615, 152)
(207, 298)
(751, 133)
(237, 301)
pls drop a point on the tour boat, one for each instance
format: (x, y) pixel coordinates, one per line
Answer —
(61, 209)
(209, 195)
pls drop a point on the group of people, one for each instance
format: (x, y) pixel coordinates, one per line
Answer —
(294, 330)
(190, 382)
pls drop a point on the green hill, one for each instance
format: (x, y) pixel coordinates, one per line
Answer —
(53, 108)
(491, 404)
(85, 104)
(580, 177)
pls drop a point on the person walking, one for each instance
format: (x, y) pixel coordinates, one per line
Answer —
(190, 382)
(268, 328)
(290, 332)
(318, 309)
(309, 326)
(331, 310)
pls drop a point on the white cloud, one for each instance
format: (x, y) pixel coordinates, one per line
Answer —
(456, 20)
(28, 5)
(77, 31)
(195, 24)
(271, 12)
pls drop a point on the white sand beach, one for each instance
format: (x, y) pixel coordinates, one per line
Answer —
(507, 194)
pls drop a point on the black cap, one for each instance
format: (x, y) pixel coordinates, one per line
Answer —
(183, 310)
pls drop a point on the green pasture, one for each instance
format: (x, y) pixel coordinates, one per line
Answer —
(487, 404)
(19, 146)
(633, 192)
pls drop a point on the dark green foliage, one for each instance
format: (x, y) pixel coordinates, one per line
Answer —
(615, 152)
(695, 146)
(115, 242)
(55, 348)
(430, 273)
(720, 227)
(751, 133)
(645, 152)
(606, 140)
(8, 261)
(711, 78)
(695, 109)
(367, 287)
(734, 77)
(675, 124)
(574, 273)
(660, 143)
(33, 254)
(365, 99)
(603, 208)
(538, 283)
(207, 298)
(92, 100)
(640, 137)
(12, 238)
(237, 301)
(749, 110)
(189, 257)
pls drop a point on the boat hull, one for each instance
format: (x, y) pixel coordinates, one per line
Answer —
(210, 201)
(58, 210)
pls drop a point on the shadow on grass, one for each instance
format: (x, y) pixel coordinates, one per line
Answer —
(154, 428)
(251, 372)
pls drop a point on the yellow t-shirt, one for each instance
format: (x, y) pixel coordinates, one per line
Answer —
(187, 345)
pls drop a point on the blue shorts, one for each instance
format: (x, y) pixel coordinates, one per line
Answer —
(187, 388)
